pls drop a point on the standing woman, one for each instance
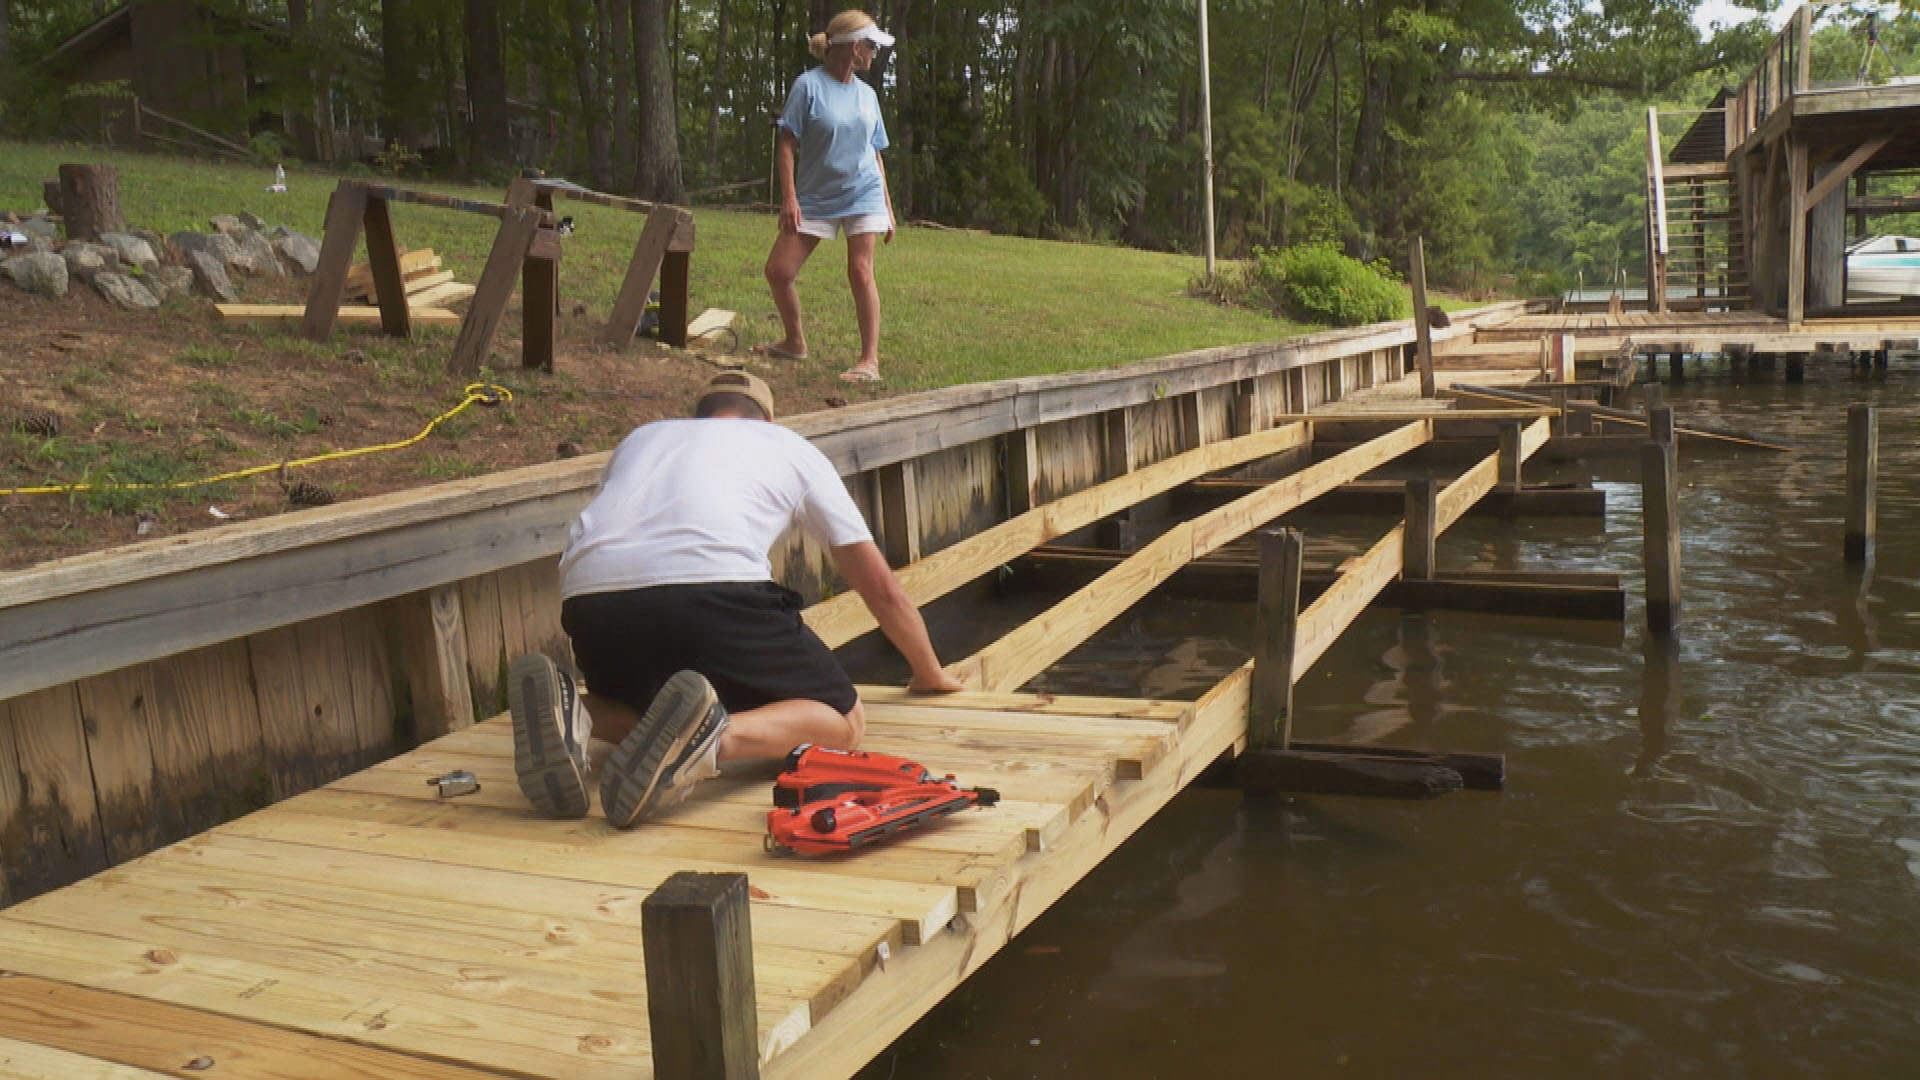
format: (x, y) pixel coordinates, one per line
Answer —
(832, 181)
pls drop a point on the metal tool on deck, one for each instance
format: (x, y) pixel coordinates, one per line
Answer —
(457, 782)
(828, 801)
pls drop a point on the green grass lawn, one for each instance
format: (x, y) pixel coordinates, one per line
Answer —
(957, 307)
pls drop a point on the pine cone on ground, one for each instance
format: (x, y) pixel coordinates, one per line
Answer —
(43, 423)
(308, 494)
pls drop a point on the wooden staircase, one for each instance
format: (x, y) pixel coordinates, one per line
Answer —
(1705, 264)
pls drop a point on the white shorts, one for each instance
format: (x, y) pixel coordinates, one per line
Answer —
(854, 225)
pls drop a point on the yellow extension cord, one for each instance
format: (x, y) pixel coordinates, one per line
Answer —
(476, 394)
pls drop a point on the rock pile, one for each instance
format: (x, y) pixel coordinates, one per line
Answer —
(139, 269)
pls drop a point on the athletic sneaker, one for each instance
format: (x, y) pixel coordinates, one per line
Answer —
(550, 732)
(673, 747)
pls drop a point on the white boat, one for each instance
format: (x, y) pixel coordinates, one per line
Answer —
(1884, 267)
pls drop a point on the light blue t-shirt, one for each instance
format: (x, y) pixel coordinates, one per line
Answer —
(836, 167)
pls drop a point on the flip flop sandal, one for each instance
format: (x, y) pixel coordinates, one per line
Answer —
(859, 375)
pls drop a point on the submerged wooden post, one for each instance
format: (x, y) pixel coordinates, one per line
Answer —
(1275, 624)
(1510, 459)
(698, 944)
(1661, 507)
(1863, 467)
(1422, 333)
(1660, 425)
(1423, 510)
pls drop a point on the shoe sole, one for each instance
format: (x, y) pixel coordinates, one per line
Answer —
(549, 776)
(633, 772)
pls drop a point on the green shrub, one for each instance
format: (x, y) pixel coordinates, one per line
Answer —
(1317, 283)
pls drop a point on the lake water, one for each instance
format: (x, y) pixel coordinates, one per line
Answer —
(1706, 862)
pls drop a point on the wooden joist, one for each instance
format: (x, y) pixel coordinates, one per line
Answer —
(846, 617)
(1035, 646)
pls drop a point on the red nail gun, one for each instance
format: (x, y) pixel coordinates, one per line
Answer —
(839, 800)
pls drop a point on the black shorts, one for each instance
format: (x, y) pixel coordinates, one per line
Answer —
(747, 638)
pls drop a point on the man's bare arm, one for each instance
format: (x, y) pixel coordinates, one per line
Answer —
(867, 571)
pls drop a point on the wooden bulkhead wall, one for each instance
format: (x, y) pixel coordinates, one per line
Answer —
(154, 691)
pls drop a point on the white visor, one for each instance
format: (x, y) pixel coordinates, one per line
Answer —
(869, 32)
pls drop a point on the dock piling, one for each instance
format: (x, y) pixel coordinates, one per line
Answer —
(1661, 506)
(1423, 508)
(1275, 627)
(698, 944)
(1511, 461)
(1863, 467)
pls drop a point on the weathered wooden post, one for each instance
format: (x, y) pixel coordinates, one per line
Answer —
(1417, 543)
(1863, 467)
(1510, 459)
(698, 944)
(1661, 507)
(1422, 333)
(1275, 623)
(1660, 426)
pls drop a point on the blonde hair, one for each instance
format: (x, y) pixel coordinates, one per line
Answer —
(844, 23)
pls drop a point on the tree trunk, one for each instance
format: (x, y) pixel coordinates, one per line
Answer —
(818, 13)
(491, 150)
(719, 87)
(900, 176)
(400, 68)
(1369, 142)
(620, 32)
(90, 200)
(6, 41)
(455, 133)
(593, 108)
(658, 174)
(305, 135)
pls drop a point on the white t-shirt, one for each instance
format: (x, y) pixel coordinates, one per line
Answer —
(687, 501)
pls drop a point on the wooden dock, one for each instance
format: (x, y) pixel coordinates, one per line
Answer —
(371, 928)
(224, 856)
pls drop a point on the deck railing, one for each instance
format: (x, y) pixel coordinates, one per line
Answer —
(1784, 71)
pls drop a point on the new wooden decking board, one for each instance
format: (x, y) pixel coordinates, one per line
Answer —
(140, 1033)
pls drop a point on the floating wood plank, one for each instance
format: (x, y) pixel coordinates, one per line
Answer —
(1035, 646)
(292, 313)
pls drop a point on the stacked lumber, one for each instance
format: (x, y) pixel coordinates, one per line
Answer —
(427, 285)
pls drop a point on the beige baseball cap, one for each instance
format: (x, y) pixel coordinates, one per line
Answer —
(744, 383)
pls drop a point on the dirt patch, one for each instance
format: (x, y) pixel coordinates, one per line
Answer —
(173, 397)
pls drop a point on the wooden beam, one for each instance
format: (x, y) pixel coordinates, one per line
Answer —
(1022, 451)
(899, 513)
(1845, 170)
(1227, 579)
(1327, 617)
(1011, 661)
(430, 635)
(1276, 617)
(383, 259)
(1740, 438)
(429, 316)
(1380, 777)
(699, 970)
(489, 304)
(845, 617)
(1796, 230)
(1422, 333)
(346, 209)
(642, 268)
(1511, 463)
